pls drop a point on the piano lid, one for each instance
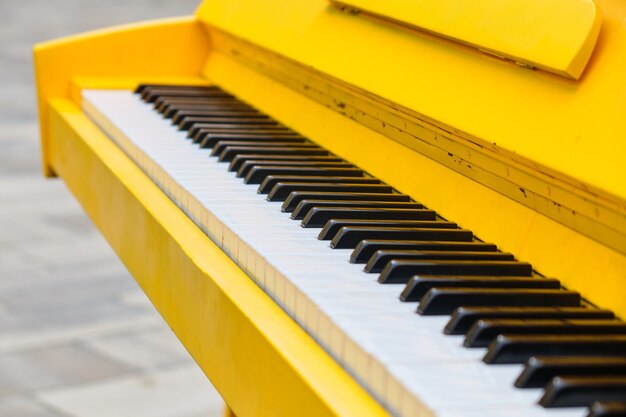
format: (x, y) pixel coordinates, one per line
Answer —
(556, 35)
(550, 126)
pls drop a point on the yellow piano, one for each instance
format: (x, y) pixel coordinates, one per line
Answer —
(466, 158)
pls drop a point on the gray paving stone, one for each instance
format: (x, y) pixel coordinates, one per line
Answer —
(66, 249)
(31, 206)
(148, 348)
(18, 142)
(66, 303)
(71, 317)
(54, 366)
(182, 391)
(12, 259)
(22, 341)
(25, 406)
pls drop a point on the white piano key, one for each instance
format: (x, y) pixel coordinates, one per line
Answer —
(403, 359)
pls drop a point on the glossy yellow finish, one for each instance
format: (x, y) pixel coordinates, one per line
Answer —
(169, 48)
(259, 359)
(585, 209)
(574, 128)
(556, 35)
(555, 250)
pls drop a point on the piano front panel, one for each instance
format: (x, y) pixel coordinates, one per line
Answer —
(580, 207)
(565, 125)
(554, 249)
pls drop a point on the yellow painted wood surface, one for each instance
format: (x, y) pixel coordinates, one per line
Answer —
(163, 48)
(261, 361)
(581, 263)
(572, 127)
(557, 36)
(585, 209)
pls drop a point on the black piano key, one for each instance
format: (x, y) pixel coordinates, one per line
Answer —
(238, 162)
(228, 139)
(282, 189)
(146, 86)
(484, 332)
(464, 317)
(179, 116)
(366, 248)
(188, 122)
(272, 180)
(257, 174)
(319, 216)
(163, 101)
(151, 87)
(399, 271)
(171, 110)
(246, 117)
(198, 132)
(176, 111)
(305, 206)
(297, 197)
(232, 151)
(349, 237)
(608, 409)
(141, 87)
(248, 165)
(211, 139)
(571, 391)
(221, 140)
(379, 259)
(166, 104)
(509, 349)
(229, 124)
(333, 226)
(539, 370)
(443, 301)
(419, 285)
(220, 147)
(171, 103)
(149, 96)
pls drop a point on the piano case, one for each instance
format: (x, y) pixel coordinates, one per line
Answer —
(542, 158)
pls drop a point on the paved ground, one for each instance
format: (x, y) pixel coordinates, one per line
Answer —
(77, 336)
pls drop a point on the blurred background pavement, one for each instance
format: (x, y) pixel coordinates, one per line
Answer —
(78, 338)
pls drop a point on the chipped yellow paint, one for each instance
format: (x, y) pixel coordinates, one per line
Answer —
(573, 203)
(554, 249)
(573, 128)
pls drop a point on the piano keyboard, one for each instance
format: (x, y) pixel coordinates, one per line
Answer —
(352, 260)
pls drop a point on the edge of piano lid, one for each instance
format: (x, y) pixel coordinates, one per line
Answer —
(535, 167)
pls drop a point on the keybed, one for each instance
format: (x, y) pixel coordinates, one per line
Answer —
(250, 184)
